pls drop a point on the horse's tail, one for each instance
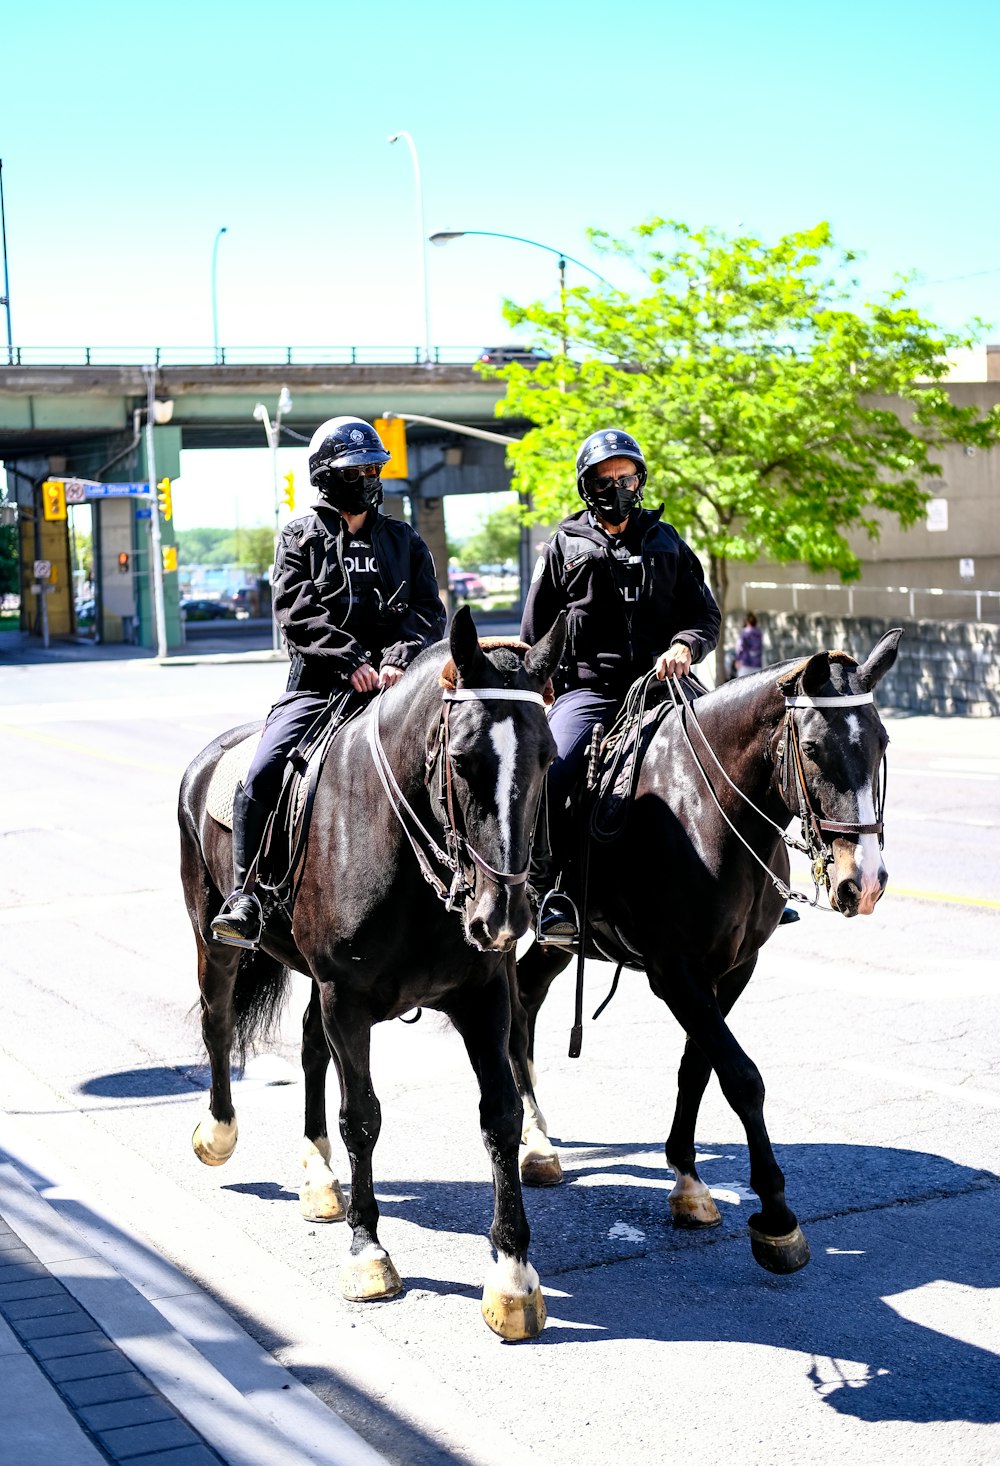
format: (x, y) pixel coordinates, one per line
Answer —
(258, 998)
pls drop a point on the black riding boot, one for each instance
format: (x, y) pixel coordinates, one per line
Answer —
(239, 922)
(556, 920)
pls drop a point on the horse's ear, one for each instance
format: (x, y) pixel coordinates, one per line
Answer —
(881, 659)
(465, 649)
(544, 657)
(807, 677)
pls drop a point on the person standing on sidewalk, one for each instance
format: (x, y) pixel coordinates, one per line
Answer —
(749, 647)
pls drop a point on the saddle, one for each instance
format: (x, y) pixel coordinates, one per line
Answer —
(276, 867)
(607, 802)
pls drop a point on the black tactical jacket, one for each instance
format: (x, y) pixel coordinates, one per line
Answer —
(608, 643)
(329, 636)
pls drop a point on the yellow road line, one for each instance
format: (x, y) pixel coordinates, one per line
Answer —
(946, 896)
(89, 750)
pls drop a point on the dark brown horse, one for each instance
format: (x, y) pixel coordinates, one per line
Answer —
(696, 882)
(411, 893)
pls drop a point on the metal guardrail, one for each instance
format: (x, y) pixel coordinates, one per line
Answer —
(910, 591)
(237, 356)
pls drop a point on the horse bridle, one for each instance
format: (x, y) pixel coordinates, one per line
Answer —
(459, 855)
(814, 829)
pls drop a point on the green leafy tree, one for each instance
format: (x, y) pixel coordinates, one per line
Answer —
(496, 540)
(10, 569)
(194, 546)
(776, 413)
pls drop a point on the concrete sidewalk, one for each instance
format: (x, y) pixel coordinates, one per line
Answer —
(95, 1366)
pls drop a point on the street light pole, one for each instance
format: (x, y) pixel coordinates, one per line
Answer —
(6, 277)
(156, 543)
(215, 299)
(421, 238)
(445, 236)
(272, 431)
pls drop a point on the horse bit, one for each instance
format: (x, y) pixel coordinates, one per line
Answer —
(459, 853)
(814, 843)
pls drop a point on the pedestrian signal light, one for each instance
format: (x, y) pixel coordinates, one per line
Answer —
(169, 558)
(165, 498)
(288, 492)
(392, 431)
(123, 562)
(53, 499)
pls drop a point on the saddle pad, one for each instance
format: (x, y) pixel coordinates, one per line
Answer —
(232, 769)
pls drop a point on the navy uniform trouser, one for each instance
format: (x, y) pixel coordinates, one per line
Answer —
(571, 723)
(287, 724)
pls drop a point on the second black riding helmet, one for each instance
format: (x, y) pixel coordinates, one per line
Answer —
(346, 456)
(597, 449)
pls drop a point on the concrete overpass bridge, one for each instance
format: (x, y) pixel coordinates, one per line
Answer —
(77, 417)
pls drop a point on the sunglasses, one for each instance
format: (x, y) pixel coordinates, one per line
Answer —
(362, 471)
(605, 485)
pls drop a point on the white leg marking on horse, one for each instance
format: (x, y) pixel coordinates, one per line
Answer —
(504, 741)
(214, 1140)
(507, 1275)
(691, 1202)
(315, 1158)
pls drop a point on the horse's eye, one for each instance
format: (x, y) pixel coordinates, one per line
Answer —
(461, 764)
(808, 747)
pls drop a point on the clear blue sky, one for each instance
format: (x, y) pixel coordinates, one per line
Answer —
(126, 143)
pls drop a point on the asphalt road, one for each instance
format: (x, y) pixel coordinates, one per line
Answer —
(878, 1040)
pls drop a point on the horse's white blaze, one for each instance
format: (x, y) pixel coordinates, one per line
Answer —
(854, 727)
(869, 855)
(507, 1275)
(504, 742)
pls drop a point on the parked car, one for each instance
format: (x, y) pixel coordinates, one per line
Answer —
(504, 355)
(466, 586)
(201, 610)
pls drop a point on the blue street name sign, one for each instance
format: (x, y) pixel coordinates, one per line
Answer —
(115, 491)
(143, 512)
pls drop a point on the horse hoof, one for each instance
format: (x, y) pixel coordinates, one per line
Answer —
(365, 1279)
(214, 1141)
(694, 1213)
(780, 1254)
(514, 1316)
(541, 1170)
(323, 1203)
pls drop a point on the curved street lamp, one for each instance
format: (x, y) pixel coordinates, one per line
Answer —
(421, 237)
(445, 236)
(272, 431)
(215, 302)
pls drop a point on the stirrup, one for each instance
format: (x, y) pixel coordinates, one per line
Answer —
(561, 939)
(227, 933)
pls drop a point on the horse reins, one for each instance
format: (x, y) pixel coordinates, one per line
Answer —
(460, 851)
(814, 829)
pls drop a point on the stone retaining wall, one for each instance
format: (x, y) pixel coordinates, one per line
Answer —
(950, 667)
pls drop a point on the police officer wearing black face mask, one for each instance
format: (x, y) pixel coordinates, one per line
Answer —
(630, 587)
(356, 597)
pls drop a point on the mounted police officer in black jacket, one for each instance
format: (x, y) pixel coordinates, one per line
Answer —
(356, 596)
(630, 587)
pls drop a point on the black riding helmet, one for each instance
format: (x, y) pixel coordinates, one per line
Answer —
(597, 449)
(347, 443)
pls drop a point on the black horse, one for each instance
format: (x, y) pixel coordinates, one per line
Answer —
(388, 918)
(696, 883)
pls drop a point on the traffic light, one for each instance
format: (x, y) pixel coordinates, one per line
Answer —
(54, 499)
(123, 562)
(392, 431)
(165, 498)
(169, 558)
(288, 492)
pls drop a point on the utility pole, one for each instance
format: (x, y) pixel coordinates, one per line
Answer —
(6, 277)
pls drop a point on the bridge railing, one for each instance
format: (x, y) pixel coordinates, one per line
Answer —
(235, 355)
(917, 599)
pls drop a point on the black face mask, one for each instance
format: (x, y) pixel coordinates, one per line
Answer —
(353, 497)
(614, 505)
